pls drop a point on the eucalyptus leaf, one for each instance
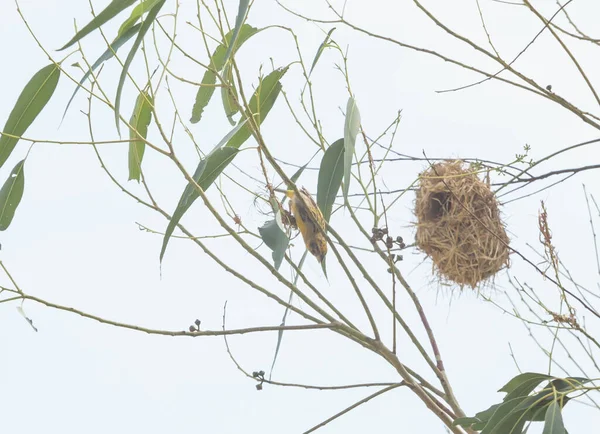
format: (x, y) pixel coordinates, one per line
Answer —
(208, 169)
(351, 129)
(266, 95)
(113, 9)
(135, 15)
(505, 419)
(107, 55)
(146, 24)
(554, 422)
(275, 239)
(331, 173)
(518, 381)
(140, 120)
(239, 21)
(34, 97)
(11, 194)
(217, 62)
(226, 94)
(320, 50)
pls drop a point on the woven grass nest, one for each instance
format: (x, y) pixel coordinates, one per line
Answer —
(459, 225)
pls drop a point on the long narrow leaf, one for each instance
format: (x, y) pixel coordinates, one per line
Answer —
(113, 9)
(320, 50)
(351, 129)
(108, 54)
(140, 119)
(331, 173)
(33, 99)
(554, 421)
(135, 15)
(11, 194)
(226, 96)
(208, 169)
(217, 62)
(284, 318)
(241, 16)
(136, 44)
(265, 95)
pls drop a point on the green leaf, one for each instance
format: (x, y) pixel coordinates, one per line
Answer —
(136, 44)
(569, 384)
(484, 417)
(297, 174)
(217, 62)
(351, 128)
(226, 95)
(136, 13)
(140, 119)
(517, 381)
(203, 96)
(209, 168)
(554, 422)
(523, 384)
(108, 54)
(113, 9)
(285, 314)
(505, 419)
(241, 16)
(11, 194)
(267, 92)
(275, 239)
(33, 99)
(331, 173)
(320, 50)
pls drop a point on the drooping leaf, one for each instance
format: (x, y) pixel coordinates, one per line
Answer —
(523, 384)
(554, 422)
(113, 9)
(135, 15)
(140, 119)
(108, 54)
(267, 92)
(518, 380)
(146, 24)
(284, 318)
(33, 99)
(226, 96)
(203, 96)
(208, 169)
(217, 62)
(569, 384)
(276, 239)
(297, 174)
(505, 419)
(280, 333)
(351, 128)
(239, 20)
(320, 50)
(331, 173)
(11, 194)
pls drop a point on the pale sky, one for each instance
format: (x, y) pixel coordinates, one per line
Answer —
(74, 240)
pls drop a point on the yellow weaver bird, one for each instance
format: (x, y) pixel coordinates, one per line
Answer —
(309, 219)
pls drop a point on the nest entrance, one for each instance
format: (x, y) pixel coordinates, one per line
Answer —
(459, 225)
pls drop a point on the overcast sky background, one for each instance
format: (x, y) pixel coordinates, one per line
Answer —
(74, 240)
